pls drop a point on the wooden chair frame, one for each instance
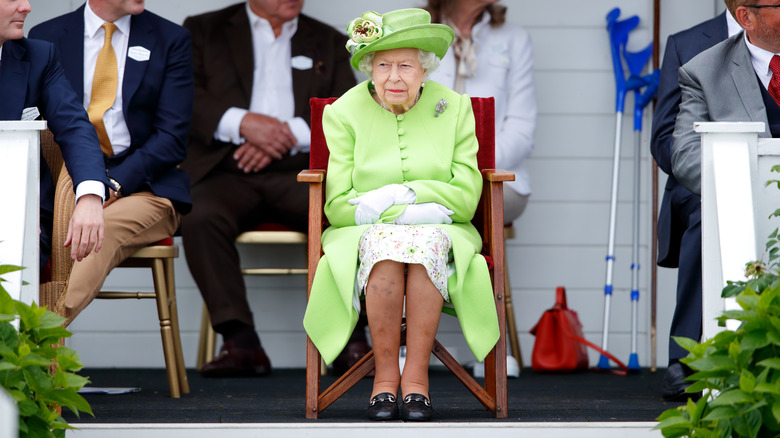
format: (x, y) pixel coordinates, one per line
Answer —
(157, 257)
(490, 219)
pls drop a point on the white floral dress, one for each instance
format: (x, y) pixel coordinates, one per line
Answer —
(426, 245)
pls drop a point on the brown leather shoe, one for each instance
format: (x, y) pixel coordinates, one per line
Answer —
(234, 361)
(349, 356)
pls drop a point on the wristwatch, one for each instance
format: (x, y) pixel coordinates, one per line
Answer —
(117, 186)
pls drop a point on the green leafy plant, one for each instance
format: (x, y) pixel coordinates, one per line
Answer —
(35, 370)
(738, 372)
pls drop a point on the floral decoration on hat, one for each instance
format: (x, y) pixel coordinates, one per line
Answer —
(364, 30)
(402, 28)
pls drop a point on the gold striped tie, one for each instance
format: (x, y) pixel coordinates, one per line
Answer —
(104, 88)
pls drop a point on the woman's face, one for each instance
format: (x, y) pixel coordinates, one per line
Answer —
(398, 76)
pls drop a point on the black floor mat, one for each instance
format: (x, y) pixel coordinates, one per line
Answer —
(579, 397)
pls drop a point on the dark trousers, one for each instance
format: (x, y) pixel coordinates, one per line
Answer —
(687, 319)
(226, 203)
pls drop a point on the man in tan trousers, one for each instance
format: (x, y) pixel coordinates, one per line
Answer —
(133, 71)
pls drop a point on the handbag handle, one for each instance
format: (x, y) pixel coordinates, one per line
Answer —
(560, 302)
(560, 298)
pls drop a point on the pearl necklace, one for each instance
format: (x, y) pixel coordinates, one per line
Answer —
(384, 105)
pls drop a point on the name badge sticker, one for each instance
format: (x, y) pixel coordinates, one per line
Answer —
(138, 53)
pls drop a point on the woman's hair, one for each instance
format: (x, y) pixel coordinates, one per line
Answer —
(439, 9)
(428, 60)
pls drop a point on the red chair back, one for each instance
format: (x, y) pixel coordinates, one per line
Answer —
(484, 115)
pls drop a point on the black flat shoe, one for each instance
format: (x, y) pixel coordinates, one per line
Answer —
(382, 407)
(416, 407)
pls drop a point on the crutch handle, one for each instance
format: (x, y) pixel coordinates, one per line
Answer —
(618, 36)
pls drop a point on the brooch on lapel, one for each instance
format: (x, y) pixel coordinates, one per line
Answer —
(440, 107)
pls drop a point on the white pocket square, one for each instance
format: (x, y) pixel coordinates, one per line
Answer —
(30, 113)
(301, 62)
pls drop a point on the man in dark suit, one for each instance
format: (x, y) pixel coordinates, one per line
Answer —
(679, 220)
(32, 84)
(143, 131)
(257, 64)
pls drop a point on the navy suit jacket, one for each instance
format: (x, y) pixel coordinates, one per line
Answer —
(680, 48)
(157, 97)
(31, 76)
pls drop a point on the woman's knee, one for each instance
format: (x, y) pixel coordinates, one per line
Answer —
(387, 276)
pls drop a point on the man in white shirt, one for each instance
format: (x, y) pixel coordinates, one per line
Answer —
(137, 67)
(728, 82)
(257, 64)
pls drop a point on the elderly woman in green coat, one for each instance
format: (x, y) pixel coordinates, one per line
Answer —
(401, 190)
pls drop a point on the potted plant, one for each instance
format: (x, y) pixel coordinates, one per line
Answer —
(35, 370)
(738, 372)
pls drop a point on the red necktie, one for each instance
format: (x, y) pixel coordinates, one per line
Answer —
(774, 83)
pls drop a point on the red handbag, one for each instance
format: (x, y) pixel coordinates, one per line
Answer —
(560, 345)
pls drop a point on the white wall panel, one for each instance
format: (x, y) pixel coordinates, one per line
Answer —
(581, 179)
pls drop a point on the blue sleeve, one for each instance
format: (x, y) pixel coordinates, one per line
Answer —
(667, 107)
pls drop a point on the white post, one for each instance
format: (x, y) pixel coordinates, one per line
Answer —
(9, 416)
(19, 192)
(729, 175)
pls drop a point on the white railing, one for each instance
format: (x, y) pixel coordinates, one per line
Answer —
(735, 207)
(19, 216)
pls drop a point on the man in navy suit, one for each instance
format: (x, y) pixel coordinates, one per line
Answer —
(679, 221)
(144, 130)
(32, 83)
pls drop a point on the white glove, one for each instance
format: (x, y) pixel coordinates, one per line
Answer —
(425, 213)
(374, 202)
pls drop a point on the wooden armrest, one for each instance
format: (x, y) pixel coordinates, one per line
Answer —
(497, 175)
(311, 176)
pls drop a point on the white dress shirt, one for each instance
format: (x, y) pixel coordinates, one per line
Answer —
(272, 87)
(504, 71)
(760, 59)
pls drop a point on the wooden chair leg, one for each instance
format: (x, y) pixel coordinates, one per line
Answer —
(169, 351)
(511, 328)
(313, 361)
(173, 308)
(207, 342)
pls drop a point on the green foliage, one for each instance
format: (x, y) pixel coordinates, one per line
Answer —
(37, 372)
(737, 371)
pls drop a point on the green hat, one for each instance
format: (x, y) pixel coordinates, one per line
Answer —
(411, 27)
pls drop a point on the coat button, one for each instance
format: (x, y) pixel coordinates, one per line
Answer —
(400, 117)
(401, 131)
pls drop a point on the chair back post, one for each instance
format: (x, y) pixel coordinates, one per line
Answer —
(492, 230)
(315, 176)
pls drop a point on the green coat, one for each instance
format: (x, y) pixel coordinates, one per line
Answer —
(434, 156)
